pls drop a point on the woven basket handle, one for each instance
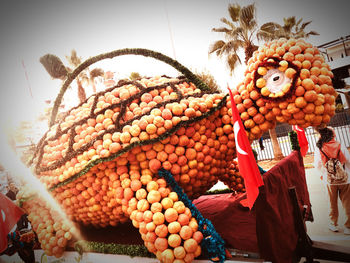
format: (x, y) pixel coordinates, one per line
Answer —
(120, 52)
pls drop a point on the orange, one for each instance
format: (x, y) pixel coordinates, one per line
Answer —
(304, 74)
(260, 83)
(310, 96)
(258, 119)
(254, 95)
(295, 50)
(161, 230)
(155, 165)
(153, 197)
(161, 244)
(252, 111)
(265, 92)
(142, 205)
(292, 108)
(174, 227)
(167, 203)
(280, 51)
(300, 57)
(300, 102)
(319, 109)
(308, 84)
(306, 64)
(190, 154)
(299, 115)
(309, 108)
(150, 227)
(190, 245)
(167, 256)
(156, 207)
(174, 240)
(179, 252)
(167, 114)
(158, 218)
(299, 91)
(240, 107)
(183, 219)
(198, 236)
(289, 56)
(177, 109)
(186, 232)
(262, 70)
(290, 72)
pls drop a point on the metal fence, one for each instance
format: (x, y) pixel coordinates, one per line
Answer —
(340, 122)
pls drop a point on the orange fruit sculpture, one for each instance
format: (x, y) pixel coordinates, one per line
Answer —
(100, 161)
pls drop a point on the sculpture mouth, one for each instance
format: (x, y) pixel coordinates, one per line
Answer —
(276, 79)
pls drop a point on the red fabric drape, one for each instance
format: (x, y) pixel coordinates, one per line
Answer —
(269, 228)
(275, 226)
(234, 222)
(9, 215)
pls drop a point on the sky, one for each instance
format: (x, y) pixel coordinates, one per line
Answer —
(180, 29)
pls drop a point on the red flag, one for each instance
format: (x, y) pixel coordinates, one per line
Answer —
(246, 161)
(9, 215)
(303, 143)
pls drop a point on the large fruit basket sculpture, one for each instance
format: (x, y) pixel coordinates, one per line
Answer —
(101, 161)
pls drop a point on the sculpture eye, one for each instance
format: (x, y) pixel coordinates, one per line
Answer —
(274, 79)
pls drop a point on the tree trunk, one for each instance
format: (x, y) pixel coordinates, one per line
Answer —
(347, 97)
(249, 50)
(81, 91)
(276, 147)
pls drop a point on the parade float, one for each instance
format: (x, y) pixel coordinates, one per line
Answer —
(140, 155)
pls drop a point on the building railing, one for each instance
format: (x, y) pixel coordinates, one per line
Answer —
(340, 122)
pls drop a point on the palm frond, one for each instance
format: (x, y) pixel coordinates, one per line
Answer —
(234, 10)
(54, 66)
(265, 36)
(96, 72)
(300, 34)
(305, 25)
(217, 45)
(270, 27)
(232, 60)
(221, 30)
(297, 24)
(235, 45)
(227, 22)
(289, 23)
(314, 33)
(237, 33)
(73, 59)
(253, 25)
(247, 14)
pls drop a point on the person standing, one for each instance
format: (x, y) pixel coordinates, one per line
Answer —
(337, 182)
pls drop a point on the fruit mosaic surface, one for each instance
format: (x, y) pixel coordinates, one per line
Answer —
(100, 162)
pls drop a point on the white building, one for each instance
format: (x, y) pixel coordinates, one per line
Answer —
(337, 53)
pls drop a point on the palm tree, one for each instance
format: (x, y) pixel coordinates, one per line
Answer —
(135, 76)
(75, 61)
(208, 79)
(290, 29)
(86, 77)
(96, 72)
(239, 34)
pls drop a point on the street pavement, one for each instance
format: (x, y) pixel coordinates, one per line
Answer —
(318, 229)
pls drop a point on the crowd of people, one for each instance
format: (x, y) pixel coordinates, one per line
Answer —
(15, 239)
